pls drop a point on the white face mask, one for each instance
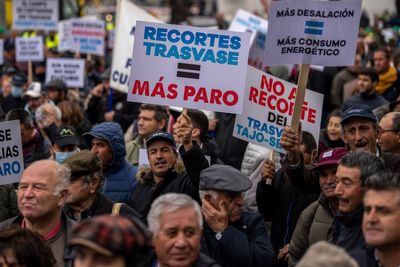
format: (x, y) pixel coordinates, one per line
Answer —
(61, 156)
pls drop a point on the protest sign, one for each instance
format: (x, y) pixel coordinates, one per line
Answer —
(11, 157)
(87, 36)
(313, 32)
(71, 71)
(127, 14)
(35, 15)
(1, 51)
(189, 67)
(269, 106)
(29, 49)
(64, 36)
(247, 22)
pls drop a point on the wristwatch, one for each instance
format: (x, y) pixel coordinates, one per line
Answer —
(218, 235)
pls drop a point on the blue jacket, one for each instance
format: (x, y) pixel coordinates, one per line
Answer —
(243, 243)
(120, 175)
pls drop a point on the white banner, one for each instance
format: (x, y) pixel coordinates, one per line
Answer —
(71, 71)
(35, 15)
(11, 157)
(29, 49)
(313, 32)
(127, 14)
(268, 107)
(247, 22)
(187, 66)
(1, 51)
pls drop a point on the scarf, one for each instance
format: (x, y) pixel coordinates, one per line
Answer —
(386, 80)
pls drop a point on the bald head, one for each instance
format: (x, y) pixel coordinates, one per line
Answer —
(389, 134)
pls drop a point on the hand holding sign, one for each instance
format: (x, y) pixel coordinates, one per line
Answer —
(268, 171)
(290, 141)
(183, 129)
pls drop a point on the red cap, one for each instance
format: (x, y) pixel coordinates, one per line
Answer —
(330, 157)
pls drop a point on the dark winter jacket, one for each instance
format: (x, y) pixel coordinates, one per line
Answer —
(281, 204)
(119, 175)
(36, 149)
(347, 233)
(125, 112)
(231, 149)
(325, 143)
(146, 190)
(201, 261)
(365, 257)
(103, 205)
(8, 202)
(243, 243)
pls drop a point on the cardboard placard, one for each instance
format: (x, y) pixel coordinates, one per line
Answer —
(29, 49)
(269, 106)
(313, 32)
(11, 157)
(190, 67)
(35, 15)
(71, 71)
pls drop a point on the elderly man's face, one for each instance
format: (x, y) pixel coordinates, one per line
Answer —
(103, 150)
(389, 140)
(381, 222)
(234, 202)
(327, 180)
(177, 242)
(360, 135)
(162, 157)
(37, 196)
(348, 189)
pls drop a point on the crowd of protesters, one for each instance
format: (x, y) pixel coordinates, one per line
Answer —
(108, 182)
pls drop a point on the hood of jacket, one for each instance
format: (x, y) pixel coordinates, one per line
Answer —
(113, 134)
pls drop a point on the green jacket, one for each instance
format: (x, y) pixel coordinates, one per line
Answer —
(132, 150)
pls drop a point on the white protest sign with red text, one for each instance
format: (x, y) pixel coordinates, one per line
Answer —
(268, 107)
(190, 67)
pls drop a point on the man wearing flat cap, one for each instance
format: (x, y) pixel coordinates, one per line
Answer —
(231, 236)
(85, 198)
(57, 90)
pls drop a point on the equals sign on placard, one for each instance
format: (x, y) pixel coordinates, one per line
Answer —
(314, 27)
(191, 71)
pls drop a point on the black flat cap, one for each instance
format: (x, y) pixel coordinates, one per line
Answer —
(224, 178)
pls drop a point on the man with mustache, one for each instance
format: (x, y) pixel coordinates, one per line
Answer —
(166, 174)
(381, 222)
(232, 237)
(42, 193)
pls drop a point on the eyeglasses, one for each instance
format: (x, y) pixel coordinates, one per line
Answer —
(384, 131)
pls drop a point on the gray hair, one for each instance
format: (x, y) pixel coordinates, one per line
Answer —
(169, 203)
(383, 182)
(63, 174)
(213, 193)
(41, 111)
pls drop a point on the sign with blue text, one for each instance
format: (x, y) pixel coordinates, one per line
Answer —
(35, 15)
(127, 14)
(87, 36)
(268, 108)
(313, 32)
(11, 157)
(247, 22)
(189, 67)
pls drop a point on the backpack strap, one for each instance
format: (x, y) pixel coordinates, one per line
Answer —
(116, 208)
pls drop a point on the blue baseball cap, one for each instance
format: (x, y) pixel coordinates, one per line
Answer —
(160, 136)
(358, 111)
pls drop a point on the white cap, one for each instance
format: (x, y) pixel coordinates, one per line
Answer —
(34, 90)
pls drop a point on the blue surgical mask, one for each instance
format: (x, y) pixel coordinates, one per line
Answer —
(61, 156)
(16, 91)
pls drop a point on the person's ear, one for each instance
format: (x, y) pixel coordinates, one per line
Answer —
(94, 184)
(195, 133)
(162, 124)
(314, 155)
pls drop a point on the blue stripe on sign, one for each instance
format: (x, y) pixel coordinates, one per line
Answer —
(311, 23)
(313, 31)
